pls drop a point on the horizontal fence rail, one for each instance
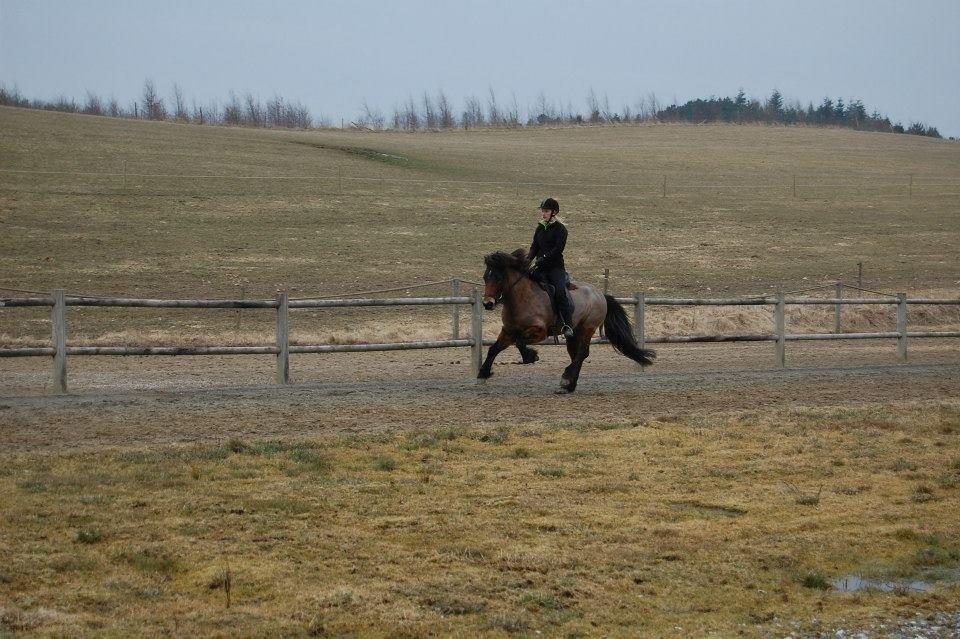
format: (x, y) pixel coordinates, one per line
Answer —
(58, 301)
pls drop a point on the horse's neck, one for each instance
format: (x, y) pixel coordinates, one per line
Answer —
(523, 290)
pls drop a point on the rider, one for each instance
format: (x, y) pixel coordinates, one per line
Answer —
(547, 249)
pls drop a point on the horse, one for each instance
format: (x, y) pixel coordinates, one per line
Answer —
(528, 317)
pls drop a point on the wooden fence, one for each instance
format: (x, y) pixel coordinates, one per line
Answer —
(282, 349)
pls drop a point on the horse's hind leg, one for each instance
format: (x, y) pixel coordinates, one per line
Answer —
(579, 350)
(503, 341)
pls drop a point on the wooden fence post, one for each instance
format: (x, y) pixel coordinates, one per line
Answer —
(59, 334)
(902, 326)
(639, 312)
(476, 330)
(456, 309)
(779, 318)
(837, 325)
(283, 338)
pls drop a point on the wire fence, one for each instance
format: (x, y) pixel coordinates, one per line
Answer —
(344, 184)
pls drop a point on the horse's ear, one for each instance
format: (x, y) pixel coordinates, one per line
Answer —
(520, 254)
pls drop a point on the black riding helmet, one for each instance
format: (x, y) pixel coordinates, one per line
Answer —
(551, 205)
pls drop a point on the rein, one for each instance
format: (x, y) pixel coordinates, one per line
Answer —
(503, 292)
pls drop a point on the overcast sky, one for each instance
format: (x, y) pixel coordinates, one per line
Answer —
(902, 58)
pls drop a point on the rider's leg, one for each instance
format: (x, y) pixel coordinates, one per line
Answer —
(558, 278)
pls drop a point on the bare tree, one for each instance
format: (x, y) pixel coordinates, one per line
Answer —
(472, 113)
(372, 118)
(654, 105)
(642, 111)
(411, 115)
(445, 111)
(179, 105)
(397, 117)
(276, 113)
(153, 107)
(232, 111)
(606, 113)
(512, 117)
(494, 117)
(254, 113)
(196, 113)
(93, 105)
(430, 119)
(114, 109)
(299, 117)
(593, 107)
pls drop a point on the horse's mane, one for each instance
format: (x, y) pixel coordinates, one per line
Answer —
(501, 260)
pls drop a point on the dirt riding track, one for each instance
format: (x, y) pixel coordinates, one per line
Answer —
(131, 402)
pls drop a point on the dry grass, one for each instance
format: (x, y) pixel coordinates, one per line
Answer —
(172, 237)
(667, 528)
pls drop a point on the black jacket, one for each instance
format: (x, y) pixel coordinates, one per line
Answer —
(548, 245)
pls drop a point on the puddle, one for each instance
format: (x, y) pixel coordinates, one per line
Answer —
(856, 583)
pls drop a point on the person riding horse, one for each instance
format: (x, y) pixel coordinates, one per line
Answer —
(546, 251)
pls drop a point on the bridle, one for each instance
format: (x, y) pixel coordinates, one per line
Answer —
(503, 291)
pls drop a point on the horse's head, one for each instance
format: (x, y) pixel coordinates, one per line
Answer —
(496, 279)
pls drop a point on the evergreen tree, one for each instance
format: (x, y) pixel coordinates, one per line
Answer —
(775, 106)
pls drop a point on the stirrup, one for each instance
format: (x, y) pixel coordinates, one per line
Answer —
(566, 328)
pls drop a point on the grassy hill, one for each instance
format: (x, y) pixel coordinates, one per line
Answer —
(102, 205)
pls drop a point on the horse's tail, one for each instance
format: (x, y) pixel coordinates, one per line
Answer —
(618, 331)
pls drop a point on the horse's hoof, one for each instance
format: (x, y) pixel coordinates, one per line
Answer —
(531, 360)
(484, 375)
(562, 391)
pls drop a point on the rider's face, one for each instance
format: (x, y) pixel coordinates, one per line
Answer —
(546, 214)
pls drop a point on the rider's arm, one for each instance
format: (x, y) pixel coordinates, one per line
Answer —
(534, 247)
(558, 246)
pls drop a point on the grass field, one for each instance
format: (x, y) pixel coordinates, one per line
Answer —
(388, 497)
(431, 204)
(720, 525)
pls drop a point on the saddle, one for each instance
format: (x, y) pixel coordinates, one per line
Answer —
(550, 289)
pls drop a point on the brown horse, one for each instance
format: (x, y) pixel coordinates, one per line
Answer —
(528, 317)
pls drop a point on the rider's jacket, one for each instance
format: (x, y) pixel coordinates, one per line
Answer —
(549, 241)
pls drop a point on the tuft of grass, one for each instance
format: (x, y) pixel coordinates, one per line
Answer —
(89, 536)
(419, 440)
(222, 580)
(935, 554)
(448, 605)
(150, 560)
(385, 463)
(32, 486)
(237, 446)
(545, 471)
(311, 459)
(923, 494)
(902, 464)
(815, 580)
(496, 436)
(537, 599)
(520, 453)
(509, 622)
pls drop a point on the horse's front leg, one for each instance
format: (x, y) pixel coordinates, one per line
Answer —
(528, 354)
(503, 341)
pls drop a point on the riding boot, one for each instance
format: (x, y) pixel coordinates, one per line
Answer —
(567, 314)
